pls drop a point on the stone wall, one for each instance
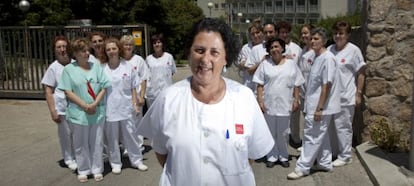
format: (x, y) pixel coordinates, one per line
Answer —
(390, 57)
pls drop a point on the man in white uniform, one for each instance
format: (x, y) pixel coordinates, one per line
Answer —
(352, 72)
(56, 100)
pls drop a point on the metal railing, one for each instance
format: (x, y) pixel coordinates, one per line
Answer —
(26, 52)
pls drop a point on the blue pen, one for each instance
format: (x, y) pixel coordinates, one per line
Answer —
(227, 134)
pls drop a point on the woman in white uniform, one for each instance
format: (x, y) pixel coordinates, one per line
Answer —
(162, 68)
(352, 72)
(206, 128)
(322, 101)
(85, 83)
(305, 64)
(141, 68)
(278, 80)
(121, 108)
(56, 100)
(256, 37)
(97, 54)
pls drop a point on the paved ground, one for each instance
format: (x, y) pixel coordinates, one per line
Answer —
(30, 155)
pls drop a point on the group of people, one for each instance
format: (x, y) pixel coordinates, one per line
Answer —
(323, 83)
(95, 91)
(207, 129)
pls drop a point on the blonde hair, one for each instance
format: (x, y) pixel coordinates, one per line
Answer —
(79, 44)
(126, 39)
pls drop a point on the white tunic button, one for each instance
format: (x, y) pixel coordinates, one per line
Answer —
(206, 134)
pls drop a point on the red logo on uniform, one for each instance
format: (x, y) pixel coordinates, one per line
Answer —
(342, 60)
(239, 129)
(310, 61)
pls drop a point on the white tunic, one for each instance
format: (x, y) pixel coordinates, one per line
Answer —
(244, 56)
(207, 144)
(141, 68)
(161, 71)
(278, 81)
(257, 55)
(324, 69)
(350, 61)
(52, 78)
(305, 64)
(119, 95)
(294, 50)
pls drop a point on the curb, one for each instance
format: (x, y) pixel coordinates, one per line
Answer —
(379, 167)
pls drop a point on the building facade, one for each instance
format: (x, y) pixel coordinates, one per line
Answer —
(237, 12)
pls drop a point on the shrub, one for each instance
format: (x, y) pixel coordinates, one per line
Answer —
(387, 138)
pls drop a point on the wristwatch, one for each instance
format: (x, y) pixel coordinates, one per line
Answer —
(319, 109)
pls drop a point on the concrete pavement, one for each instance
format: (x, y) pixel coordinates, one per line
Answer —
(30, 155)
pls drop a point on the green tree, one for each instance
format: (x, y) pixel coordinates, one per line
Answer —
(180, 16)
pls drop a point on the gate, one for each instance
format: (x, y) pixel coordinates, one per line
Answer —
(26, 52)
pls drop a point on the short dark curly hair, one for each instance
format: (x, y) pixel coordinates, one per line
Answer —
(231, 42)
(269, 42)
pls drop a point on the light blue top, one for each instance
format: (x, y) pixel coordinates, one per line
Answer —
(75, 79)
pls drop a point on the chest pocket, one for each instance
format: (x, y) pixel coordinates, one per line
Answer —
(236, 160)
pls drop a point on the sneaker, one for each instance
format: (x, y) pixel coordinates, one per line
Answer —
(73, 166)
(142, 167)
(340, 163)
(116, 170)
(295, 175)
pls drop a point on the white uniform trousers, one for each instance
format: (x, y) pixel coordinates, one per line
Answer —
(295, 123)
(315, 144)
(87, 141)
(65, 140)
(127, 130)
(279, 128)
(136, 119)
(342, 133)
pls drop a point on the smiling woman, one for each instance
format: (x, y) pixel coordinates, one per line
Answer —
(216, 123)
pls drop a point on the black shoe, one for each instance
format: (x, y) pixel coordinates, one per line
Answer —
(284, 164)
(270, 164)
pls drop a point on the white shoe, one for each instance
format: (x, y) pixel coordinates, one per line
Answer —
(299, 149)
(116, 170)
(142, 167)
(340, 163)
(295, 175)
(73, 166)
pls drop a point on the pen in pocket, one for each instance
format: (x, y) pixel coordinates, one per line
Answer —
(227, 134)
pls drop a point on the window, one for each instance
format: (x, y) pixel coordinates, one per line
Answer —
(250, 7)
(289, 6)
(300, 6)
(279, 6)
(268, 7)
